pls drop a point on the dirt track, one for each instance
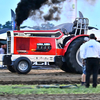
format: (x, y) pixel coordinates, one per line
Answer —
(44, 77)
(48, 76)
(39, 77)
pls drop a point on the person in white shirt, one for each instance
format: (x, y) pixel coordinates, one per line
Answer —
(2, 50)
(91, 52)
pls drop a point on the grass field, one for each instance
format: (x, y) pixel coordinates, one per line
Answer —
(33, 89)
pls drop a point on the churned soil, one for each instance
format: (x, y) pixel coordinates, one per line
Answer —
(44, 76)
(52, 97)
(39, 77)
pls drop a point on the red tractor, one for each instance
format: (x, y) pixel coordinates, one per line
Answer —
(26, 48)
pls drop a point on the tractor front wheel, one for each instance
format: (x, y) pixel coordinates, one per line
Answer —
(22, 65)
(11, 68)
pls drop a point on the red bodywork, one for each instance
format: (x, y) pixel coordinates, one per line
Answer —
(30, 43)
(71, 40)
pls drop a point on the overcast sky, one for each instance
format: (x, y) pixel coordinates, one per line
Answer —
(89, 8)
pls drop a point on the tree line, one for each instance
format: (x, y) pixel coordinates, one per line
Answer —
(8, 24)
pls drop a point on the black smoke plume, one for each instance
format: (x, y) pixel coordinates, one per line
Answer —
(25, 7)
(50, 15)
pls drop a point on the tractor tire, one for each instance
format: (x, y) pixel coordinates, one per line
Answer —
(22, 65)
(65, 68)
(73, 60)
(11, 69)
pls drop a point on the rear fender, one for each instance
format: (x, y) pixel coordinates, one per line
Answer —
(70, 41)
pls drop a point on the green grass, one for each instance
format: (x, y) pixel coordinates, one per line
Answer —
(32, 89)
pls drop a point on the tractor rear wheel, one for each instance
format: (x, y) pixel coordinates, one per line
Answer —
(73, 60)
(65, 68)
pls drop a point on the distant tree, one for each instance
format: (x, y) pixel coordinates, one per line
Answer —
(1, 26)
(23, 26)
(8, 24)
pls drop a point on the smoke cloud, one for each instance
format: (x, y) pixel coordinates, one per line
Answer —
(91, 2)
(50, 15)
(27, 8)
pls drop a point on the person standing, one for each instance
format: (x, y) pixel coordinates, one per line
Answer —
(5, 48)
(91, 52)
(83, 77)
(2, 50)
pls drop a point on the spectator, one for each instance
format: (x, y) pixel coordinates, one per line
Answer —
(1, 50)
(84, 64)
(91, 52)
(5, 48)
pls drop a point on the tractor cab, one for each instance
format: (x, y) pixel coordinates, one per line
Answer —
(80, 26)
